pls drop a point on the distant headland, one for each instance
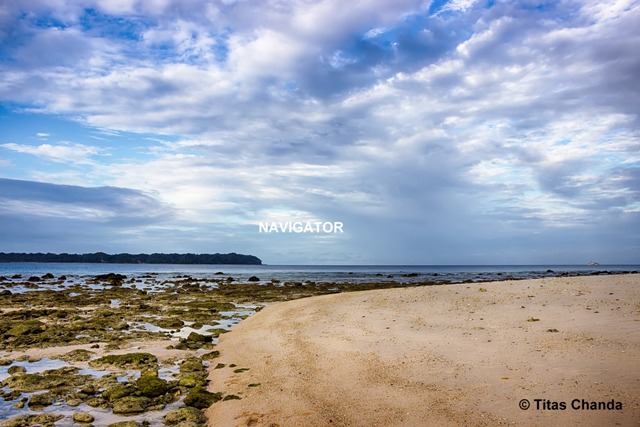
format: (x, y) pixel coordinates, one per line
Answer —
(124, 258)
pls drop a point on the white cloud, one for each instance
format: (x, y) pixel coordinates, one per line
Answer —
(69, 153)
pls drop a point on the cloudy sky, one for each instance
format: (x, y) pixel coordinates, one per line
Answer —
(438, 132)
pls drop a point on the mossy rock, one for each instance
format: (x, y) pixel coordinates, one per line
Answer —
(46, 381)
(192, 364)
(125, 424)
(195, 340)
(211, 306)
(97, 402)
(41, 400)
(28, 327)
(231, 397)
(88, 389)
(44, 420)
(184, 416)
(83, 417)
(118, 392)
(73, 402)
(79, 355)
(169, 323)
(211, 355)
(126, 361)
(131, 405)
(191, 381)
(152, 372)
(113, 279)
(200, 398)
(16, 370)
(8, 396)
(151, 386)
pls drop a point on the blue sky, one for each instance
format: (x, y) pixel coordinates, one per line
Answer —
(444, 132)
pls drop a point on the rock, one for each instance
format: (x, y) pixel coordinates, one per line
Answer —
(169, 323)
(34, 279)
(78, 355)
(73, 402)
(253, 279)
(44, 420)
(153, 372)
(21, 403)
(194, 341)
(27, 327)
(114, 279)
(118, 392)
(46, 381)
(191, 381)
(16, 370)
(200, 398)
(89, 389)
(151, 386)
(83, 417)
(48, 276)
(125, 424)
(211, 355)
(39, 401)
(97, 402)
(9, 396)
(184, 415)
(131, 405)
(126, 361)
(192, 364)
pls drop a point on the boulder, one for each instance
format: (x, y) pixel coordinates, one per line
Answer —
(183, 416)
(200, 398)
(131, 405)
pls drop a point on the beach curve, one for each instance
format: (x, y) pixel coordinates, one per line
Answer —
(464, 354)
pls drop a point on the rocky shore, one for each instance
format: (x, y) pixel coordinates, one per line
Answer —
(119, 351)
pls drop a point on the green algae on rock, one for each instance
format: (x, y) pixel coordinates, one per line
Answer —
(41, 400)
(63, 377)
(79, 355)
(125, 424)
(44, 420)
(200, 398)
(151, 386)
(126, 361)
(131, 405)
(183, 416)
(83, 417)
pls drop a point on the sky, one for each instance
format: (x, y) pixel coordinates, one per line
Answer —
(437, 132)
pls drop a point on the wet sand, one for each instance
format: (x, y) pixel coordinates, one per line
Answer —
(463, 354)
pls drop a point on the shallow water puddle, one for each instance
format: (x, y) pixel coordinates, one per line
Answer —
(33, 367)
(101, 416)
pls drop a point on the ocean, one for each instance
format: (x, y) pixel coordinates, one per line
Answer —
(319, 273)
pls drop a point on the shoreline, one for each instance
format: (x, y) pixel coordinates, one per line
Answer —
(439, 355)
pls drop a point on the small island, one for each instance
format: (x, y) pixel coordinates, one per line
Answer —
(125, 258)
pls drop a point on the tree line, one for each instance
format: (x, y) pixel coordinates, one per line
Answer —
(125, 258)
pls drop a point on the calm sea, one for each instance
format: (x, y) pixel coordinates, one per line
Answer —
(320, 273)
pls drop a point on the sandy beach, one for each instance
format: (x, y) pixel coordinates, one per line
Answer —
(465, 354)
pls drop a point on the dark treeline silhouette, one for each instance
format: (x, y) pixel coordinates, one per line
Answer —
(101, 257)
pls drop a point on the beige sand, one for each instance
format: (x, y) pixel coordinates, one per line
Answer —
(438, 356)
